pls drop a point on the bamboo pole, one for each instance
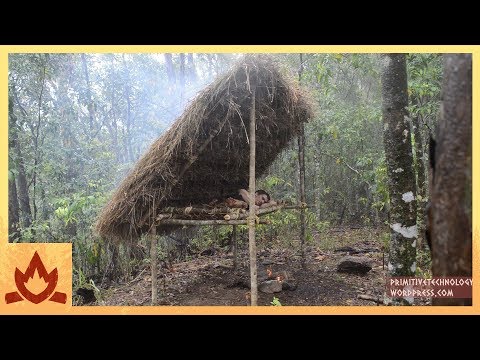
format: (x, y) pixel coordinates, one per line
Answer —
(251, 219)
(234, 240)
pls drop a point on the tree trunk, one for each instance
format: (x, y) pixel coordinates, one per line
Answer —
(23, 197)
(90, 105)
(128, 135)
(251, 218)
(420, 177)
(182, 75)
(452, 179)
(191, 66)
(301, 168)
(401, 176)
(169, 68)
(13, 211)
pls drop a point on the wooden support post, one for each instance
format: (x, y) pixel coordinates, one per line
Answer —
(234, 240)
(301, 163)
(153, 262)
(251, 218)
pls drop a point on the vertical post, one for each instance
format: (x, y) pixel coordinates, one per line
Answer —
(251, 214)
(153, 262)
(301, 163)
(234, 239)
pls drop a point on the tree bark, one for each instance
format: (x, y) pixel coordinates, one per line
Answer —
(420, 177)
(401, 176)
(23, 197)
(452, 180)
(251, 219)
(301, 168)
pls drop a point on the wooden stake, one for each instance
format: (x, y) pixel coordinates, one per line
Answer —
(301, 163)
(251, 219)
(234, 240)
(153, 262)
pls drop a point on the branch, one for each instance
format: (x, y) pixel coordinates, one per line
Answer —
(348, 166)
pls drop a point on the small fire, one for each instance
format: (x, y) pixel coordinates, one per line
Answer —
(36, 284)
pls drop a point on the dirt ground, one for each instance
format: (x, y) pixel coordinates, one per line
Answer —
(211, 280)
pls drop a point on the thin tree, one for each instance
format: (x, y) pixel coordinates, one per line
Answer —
(451, 226)
(301, 169)
(13, 210)
(23, 197)
(401, 176)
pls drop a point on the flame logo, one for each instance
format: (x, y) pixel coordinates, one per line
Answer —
(22, 280)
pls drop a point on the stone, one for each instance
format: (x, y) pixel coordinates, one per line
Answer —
(270, 286)
(267, 262)
(355, 265)
(289, 285)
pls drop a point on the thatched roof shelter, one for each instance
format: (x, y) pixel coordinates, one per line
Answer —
(204, 155)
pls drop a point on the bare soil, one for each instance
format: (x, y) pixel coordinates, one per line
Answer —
(211, 280)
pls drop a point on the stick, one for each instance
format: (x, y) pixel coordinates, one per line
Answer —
(251, 219)
(234, 239)
(153, 260)
(370, 298)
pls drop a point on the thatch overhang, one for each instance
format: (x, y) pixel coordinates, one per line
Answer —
(204, 155)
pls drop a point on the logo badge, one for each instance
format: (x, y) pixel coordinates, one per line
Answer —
(22, 280)
(35, 277)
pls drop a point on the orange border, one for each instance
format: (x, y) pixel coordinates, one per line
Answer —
(291, 310)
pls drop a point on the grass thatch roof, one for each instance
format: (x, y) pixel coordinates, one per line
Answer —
(205, 153)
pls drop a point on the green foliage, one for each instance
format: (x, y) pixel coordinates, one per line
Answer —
(275, 302)
(79, 139)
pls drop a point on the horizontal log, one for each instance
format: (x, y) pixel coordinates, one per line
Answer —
(260, 211)
(207, 222)
(190, 210)
(288, 207)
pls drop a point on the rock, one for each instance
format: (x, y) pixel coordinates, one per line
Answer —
(355, 265)
(270, 286)
(289, 285)
(208, 252)
(268, 262)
